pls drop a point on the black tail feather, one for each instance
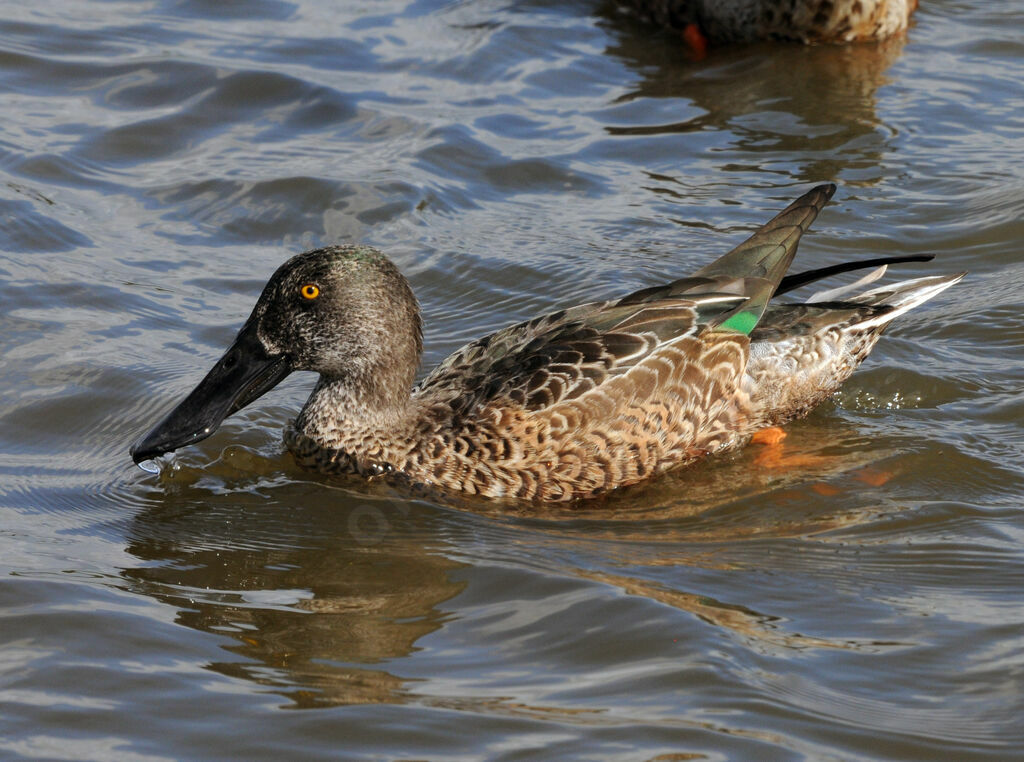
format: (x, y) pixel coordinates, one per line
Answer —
(791, 282)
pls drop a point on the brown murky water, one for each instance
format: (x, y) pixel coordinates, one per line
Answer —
(160, 160)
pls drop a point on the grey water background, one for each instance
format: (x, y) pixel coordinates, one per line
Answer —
(859, 597)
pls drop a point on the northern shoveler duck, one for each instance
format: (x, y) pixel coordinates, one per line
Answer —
(567, 405)
(799, 20)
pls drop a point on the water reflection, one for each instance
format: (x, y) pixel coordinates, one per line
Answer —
(774, 102)
(311, 605)
(325, 589)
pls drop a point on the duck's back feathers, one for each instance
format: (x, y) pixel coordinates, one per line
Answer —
(562, 355)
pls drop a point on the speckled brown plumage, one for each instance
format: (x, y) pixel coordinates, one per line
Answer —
(798, 20)
(567, 405)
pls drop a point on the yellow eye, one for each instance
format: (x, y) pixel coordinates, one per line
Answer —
(309, 291)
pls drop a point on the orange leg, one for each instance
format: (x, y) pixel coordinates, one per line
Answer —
(697, 41)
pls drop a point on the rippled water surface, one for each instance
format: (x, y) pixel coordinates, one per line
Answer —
(860, 600)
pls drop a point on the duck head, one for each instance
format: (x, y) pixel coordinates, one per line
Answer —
(345, 312)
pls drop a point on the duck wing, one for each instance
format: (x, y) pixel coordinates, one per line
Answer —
(563, 355)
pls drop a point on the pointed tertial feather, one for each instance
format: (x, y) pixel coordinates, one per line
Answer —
(760, 262)
(761, 259)
(763, 254)
(833, 294)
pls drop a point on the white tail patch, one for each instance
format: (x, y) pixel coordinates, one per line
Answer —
(902, 297)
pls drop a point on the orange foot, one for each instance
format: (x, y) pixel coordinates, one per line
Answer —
(874, 477)
(770, 436)
(826, 490)
(773, 455)
(697, 41)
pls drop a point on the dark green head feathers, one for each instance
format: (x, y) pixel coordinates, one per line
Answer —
(565, 406)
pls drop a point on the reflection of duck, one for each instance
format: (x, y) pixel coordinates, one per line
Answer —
(799, 20)
(567, 405)
(315, 611)
(807, 111)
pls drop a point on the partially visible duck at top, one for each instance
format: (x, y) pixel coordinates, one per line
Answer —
(565, 406)
(808, 21)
